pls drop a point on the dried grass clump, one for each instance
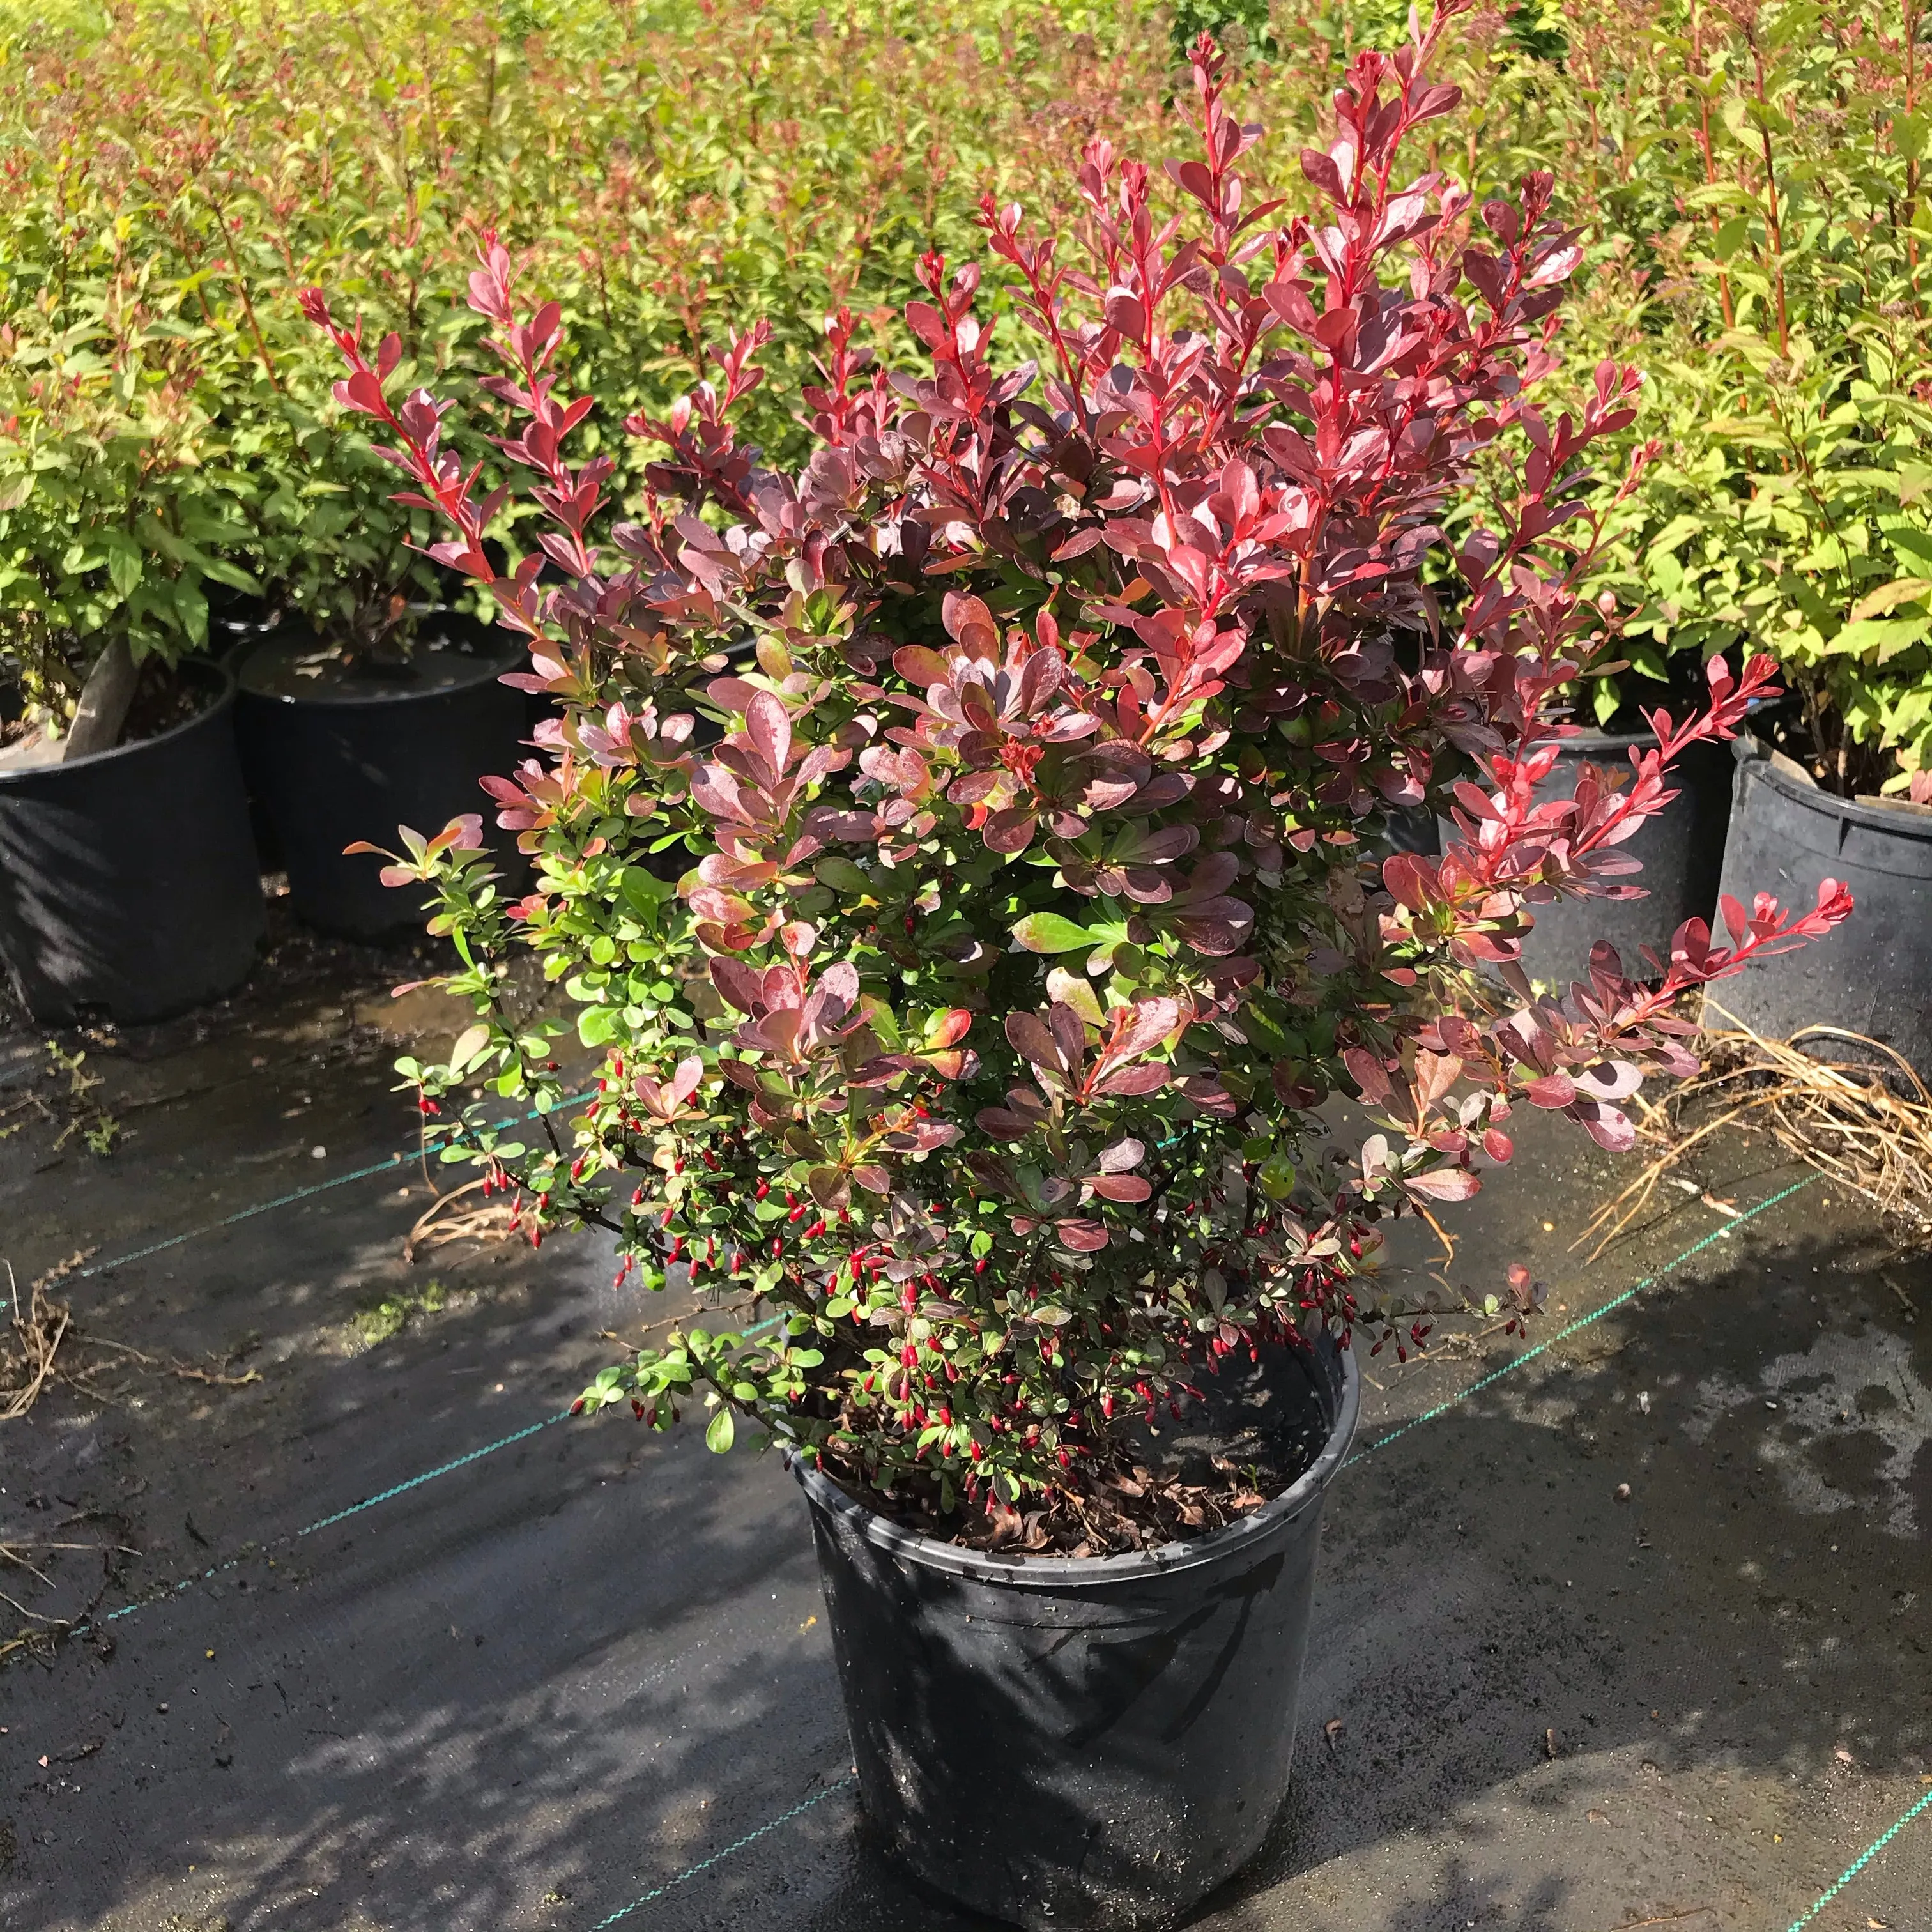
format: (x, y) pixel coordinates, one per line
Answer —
(465, 1213)
(1841, 1102)
(33, 1337)
(42, 1343)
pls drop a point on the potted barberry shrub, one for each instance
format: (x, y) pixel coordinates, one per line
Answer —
(972, 1071)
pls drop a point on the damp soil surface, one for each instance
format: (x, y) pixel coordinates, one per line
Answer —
(1631, 1631)
(1824, 751)
(296, 663)
(163, 700)
(1258, 1426)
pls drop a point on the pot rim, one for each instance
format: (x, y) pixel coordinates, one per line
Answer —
(1025, 1572)
(1600, 742)
(1597, 742)
(223, 697)
(1907, 825)
(499, 651)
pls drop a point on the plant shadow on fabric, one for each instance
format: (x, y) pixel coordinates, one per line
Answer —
(423, 1781)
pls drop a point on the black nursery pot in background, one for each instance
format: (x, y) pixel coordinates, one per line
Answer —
(1079, 1742)
(128, 881)
(1874, 975)
(335, 752)
(1681, 850)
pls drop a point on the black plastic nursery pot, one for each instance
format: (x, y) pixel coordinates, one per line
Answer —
(1873, 976)
(335, 754)
(128, 882)
(1681, 850)
(1090, 1742)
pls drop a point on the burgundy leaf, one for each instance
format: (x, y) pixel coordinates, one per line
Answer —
(1368, 1074)
(1083, 1237)
(1443, 1184)
(1133, 1080)
(1552, 1090)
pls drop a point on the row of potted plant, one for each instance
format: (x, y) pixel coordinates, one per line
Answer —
(1688, 152)
(168, 446)
(972, 964)
(167, 432)
(1750, 177)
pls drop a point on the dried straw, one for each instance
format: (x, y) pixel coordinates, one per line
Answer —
(1863, 1118)
(441, 1224)
(34, 1355)
(38, 1330)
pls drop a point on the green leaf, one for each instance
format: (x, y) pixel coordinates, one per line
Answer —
(191, 607)
(720, 1432)
(644, 892)
(1915, 479)
(1888, 597)
(1047, 932)
(124, 561)
(1883, 637)
(842, 875)
(468, 1045)
(598, 1026)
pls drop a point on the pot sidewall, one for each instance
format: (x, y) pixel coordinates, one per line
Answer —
(1092, 1743)
(128, 882)
(329, 771)
(1873, 975)
(1681, 850)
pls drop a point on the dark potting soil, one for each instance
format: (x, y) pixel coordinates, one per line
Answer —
(1845, 770)
(297, 663)
(162, 701)
(1257, 1428)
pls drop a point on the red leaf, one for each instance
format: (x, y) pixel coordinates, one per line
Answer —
(948, 1028)
(1444, 1183)
(1552, 1090)
(918, 666)
(1133, 1080)
(1610, 1127)
(1084, 1237)
(1410, 878)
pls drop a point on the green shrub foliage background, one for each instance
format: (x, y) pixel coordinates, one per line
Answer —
(1747, 179)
